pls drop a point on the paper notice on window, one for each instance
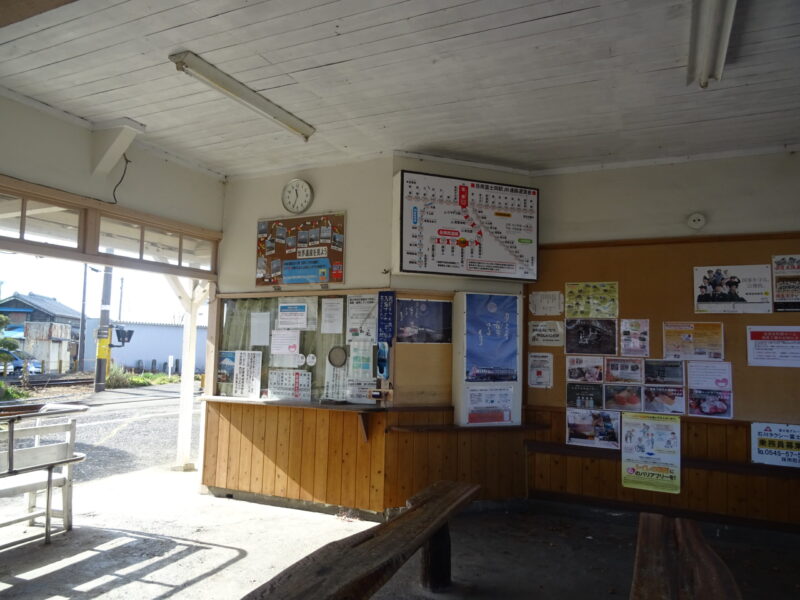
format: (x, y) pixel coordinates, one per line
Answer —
(335, 383)
(358, 391)
(247, 374)
(709, 375)
(544, 304)
(285, 341)
(540, 370)
(259, 329)
(332, 315)
(546, 333)
(776, 346)
(361, 361)
(289, 384)
(489, 404)
(292, 316)
(362, 318)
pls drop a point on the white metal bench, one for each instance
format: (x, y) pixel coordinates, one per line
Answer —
(31, 463)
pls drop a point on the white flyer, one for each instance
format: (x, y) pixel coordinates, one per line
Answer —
(332, 315)
(335, 383)
(544, 304)
(285, 341)
(292, 316)
(733, 289)
(709, 375)
(290, 384)
(362, 317)
(489, 404)
(540, 370)
(259, 329)
(634, 337)
(546, 333)
(773, 346)
(247, 374)
(358, 391)
(361, 361)
(775, 444)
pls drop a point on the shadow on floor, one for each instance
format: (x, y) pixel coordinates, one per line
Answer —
(111, 562)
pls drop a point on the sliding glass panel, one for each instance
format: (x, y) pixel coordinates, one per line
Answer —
(119, 237)
(10, 215)
(51, 224)
(196, 253)
(161, 245)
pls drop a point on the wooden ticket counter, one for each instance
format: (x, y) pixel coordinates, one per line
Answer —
(353, 456)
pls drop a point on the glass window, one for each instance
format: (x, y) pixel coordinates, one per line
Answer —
(119, 237)
(196, 253)
(161, 245)
(51, 224)
(10, 216)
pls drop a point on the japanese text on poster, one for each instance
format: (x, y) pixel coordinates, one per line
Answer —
(596, 428)
(777, 346)
(362, 318)
(491, 338)
(543, 304)
(775, 444)
(634, 335)
(489, 404)
(591, 299)
(540, 370)
(651, 452)
(733, 289)
(693, 341)
(786, 282)
(307, 249)
(546, 333)
(290, 384)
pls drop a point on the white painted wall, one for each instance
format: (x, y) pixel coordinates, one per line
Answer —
(362, 189)
(756, 194)
(40, 148)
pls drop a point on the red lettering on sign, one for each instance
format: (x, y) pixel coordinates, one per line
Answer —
(463, 196)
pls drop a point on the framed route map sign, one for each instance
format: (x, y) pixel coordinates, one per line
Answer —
(451, 226)
(307, 249)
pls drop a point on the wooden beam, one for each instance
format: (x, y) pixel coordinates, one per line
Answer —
(15, 11)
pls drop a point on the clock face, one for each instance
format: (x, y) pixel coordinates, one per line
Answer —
(297, 196)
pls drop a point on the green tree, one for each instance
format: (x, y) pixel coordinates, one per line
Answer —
(5, 343)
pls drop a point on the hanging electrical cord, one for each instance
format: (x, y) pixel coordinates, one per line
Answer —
(124, 171)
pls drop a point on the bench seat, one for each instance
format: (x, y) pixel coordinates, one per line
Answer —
(28, 482)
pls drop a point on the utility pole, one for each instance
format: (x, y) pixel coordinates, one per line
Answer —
(121, 289)
(103, 334)
(82, 334)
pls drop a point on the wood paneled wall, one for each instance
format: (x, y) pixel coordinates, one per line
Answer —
(319, 455)
(760, 494)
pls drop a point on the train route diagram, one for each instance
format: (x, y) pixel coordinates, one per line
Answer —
(462, 227)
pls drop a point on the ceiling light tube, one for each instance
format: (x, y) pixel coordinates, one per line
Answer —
(193, 65)
(712, 21)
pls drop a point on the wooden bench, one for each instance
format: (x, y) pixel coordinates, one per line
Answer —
(673, 560)
(32, 464)
(358, 565)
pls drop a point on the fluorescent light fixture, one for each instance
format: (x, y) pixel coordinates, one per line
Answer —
(712, 21)
(193, 65)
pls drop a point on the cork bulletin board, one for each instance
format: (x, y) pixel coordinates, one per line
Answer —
(656, 283)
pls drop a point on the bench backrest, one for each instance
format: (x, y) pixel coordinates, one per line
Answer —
(40, 454)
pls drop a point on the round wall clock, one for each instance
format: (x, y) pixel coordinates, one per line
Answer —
(297, 196)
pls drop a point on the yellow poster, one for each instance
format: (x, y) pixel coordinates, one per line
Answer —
(591, 299)
(651, 452)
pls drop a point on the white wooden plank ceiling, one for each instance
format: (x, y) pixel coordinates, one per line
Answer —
(523, 83)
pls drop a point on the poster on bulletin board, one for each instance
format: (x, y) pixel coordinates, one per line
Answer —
(308, 249)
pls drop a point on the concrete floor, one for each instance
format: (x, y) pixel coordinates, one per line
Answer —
(150, 534)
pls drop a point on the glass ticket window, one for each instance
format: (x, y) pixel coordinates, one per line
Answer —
(305, 353)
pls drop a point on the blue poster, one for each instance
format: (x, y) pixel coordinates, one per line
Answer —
(385, 316)
(314, 270)
(424, 321)
(491, 338)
